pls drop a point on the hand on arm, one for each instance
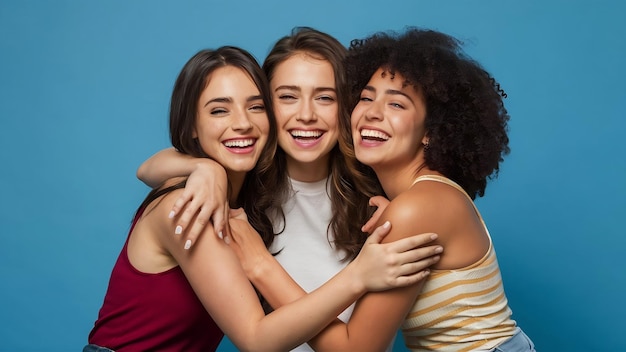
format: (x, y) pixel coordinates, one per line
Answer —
(377, 315)
(230, 298)
(204, 197)
(379, 266)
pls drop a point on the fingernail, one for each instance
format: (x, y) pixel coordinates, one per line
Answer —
(227, 240)
(172, 213)
(438, 249)
(426, 272)
(386, 224)
(179, 230)
(433, 236)
(188, 244)
(220, 235)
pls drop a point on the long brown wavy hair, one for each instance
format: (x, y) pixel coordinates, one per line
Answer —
(349, 191)
(191, 81)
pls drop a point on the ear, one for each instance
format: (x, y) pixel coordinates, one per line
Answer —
(425, 140)
(194, 134)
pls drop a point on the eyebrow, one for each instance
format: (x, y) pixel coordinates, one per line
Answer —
(297, 88)
(230, 100)
(389, 91)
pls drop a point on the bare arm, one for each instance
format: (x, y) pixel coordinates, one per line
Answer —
(377, 315)
(218, 280)
(204, 198)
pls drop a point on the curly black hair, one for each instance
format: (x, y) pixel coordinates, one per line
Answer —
(466, 120)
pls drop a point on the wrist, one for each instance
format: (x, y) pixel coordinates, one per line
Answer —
(354, 281)
(206, 164)
(260, 267)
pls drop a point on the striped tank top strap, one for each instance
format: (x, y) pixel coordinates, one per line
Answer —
(449, 182)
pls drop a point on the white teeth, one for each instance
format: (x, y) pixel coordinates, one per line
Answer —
(306, 134)
(239, 143)
(374, 134)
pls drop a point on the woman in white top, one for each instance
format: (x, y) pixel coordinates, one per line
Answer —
(315, 196)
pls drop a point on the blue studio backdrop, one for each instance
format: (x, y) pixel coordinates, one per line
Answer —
(84, 93)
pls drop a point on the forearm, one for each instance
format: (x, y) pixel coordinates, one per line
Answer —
(169, 163)
(373, 325)
(274, 283)
(312, 312)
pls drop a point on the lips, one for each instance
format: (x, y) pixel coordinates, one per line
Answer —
(374, 135)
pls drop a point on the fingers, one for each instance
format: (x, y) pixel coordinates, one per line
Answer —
(369, 225)
(180, 203)
(198, 216)
(198, 225)
(418, 259)
(411, 273)
(412, 279)
(412, 242)
(380, 233)
(219, 218)
(379, 202)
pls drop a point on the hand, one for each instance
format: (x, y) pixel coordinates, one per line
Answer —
(203, 200)
(381, 203)
(396, 264)
(245, 242)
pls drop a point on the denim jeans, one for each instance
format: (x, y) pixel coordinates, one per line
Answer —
(517, 343)
(96, 348)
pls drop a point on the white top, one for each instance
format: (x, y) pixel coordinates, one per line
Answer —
(307, 255)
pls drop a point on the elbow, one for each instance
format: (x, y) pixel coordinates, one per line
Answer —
(141, 172)
(144, 176)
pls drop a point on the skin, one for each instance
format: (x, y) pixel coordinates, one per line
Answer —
(303, 104)
(306, 108)
(394, 113)
(388, 134)
(232, 113)
(382, 312)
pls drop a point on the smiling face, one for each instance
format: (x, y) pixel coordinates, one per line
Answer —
(388, 124)
(231, 124)
(306, 109)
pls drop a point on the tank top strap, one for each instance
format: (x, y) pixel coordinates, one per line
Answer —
(449, 182)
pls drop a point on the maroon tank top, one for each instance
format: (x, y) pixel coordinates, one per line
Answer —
(148, 312)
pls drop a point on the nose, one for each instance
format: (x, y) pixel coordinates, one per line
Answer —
(306, 113)
(374, 111)
(241, 121)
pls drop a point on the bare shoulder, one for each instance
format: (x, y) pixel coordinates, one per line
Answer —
(441, 208)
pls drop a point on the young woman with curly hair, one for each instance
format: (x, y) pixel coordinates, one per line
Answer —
(431, 124)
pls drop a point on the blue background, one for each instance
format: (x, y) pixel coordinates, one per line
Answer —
(84, 90)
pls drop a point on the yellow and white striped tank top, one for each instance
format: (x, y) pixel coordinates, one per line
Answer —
(463, 309)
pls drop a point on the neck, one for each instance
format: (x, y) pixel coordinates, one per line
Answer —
(308, 171)
(399, 179)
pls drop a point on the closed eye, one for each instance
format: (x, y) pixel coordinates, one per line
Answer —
(258, 108)
(326, 98)
(218, 111)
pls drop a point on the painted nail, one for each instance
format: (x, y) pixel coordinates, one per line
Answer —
(172, 213)
(179, 230)
(220, 235)
(386, 224)
(227, 240)
(188, 244)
